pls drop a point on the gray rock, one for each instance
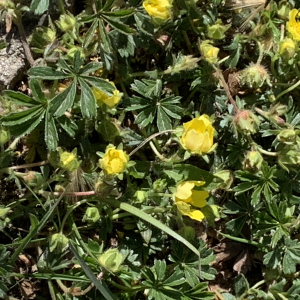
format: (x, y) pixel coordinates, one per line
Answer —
(13, 64)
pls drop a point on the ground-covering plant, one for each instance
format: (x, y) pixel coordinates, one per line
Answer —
(154, 153)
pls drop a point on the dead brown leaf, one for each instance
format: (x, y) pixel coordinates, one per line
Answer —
(243, 262)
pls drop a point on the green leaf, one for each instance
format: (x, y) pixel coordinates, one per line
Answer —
(20, 98)
(108, 130)
(63, 101)
(163, 121)
(108, 5)
(33, 232)
(51, 136)
(145, 117)
(22, 116)
(37, 91)
(87, 100)
(47, 73)
(119, 26)
(38, 7)
(77, 61)
(90, 67)
(241, 285)
(103, 289)
(119, 13)
(3, 290)
(100, 84)
(190, 172)
(90, 34)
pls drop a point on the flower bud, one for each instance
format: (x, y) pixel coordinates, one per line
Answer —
(159, 185)
(68, 160)
(253, 161)
(71, 53)
(111, 260)
(141, 196)
(289, 155)
(186, 63)
(91, 215)
(227, 177)
(4, 136)
(287, 48)
(283, 10)
(217, 30)
(58, 242)
(254, 76)
(66, 22)
(209, 52)
(287, 136)
(246, 122)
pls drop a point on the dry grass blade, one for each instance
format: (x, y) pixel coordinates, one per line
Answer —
(238, 4)
(258, 6)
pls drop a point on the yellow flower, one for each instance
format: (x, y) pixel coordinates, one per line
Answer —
(287, 48)
(293, 25)
(186, 197)
(160, 9)
(102, 97)
(209, 52)
(198, 135)
(114, 161)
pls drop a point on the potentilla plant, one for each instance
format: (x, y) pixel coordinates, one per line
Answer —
(152, 151)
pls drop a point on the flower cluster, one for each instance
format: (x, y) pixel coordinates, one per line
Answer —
(186, 197)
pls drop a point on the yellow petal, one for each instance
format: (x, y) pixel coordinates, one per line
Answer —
(183, 208)
(184, 190)
(199, 198)
(196, 215)
(193, 140)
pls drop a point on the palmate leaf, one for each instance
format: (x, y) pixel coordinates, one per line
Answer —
(63, 101)
(146, 116)
(51, 136)
(87, 100)
(163, 121)
(119, 26)
(20, 98)
(47, 73)
(37, 91)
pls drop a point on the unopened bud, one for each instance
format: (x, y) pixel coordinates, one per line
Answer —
(111, 260)
(254, 76)
(58, 242)
(283, 10)
(68, 160)
(186, 63)
(4, 136)
(217, 31)
(141, 196)
(91, 215)
(246, 122)
(287, 136)
(159, 185)
(253, 161)
(66, 22)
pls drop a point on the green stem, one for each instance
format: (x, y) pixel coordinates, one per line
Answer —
(187, 41)
(51, 290)
(267, 152)
(288, 90)
(61, 6)
(161, 157)
(121, 215)
(149, 139)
